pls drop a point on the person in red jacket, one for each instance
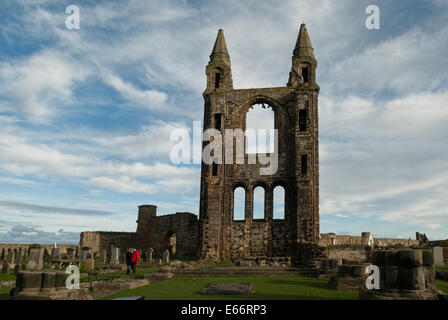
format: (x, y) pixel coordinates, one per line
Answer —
(135, 259)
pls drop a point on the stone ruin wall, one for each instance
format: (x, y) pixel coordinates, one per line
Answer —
(103, 240)
(271, 238)
(181, 227)
(152, 232)
(4, 247)
(328, 239)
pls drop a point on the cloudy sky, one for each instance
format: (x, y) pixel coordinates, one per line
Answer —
(86, 115)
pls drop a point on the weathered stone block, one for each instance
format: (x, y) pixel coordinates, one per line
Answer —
(430, 276)
(392, 258)
(427, 257)
(391, 274)
(29, 281)
(411, 278)
(411, 258)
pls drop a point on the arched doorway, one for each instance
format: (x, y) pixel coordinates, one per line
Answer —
(169, 242)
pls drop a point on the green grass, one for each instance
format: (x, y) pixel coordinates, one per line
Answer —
(269, 288)
(445, 267)
(7, 277)
(4, 293)
(120, 274)
(442, 285)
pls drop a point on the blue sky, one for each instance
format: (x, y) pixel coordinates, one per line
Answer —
(86, 115)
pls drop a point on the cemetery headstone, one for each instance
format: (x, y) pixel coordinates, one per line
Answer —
(37, 257)
(166, 256)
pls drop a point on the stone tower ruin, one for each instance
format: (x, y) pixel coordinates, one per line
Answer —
(295, 108)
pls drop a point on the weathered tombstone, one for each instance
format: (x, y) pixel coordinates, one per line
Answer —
(36, 258)
(103, 257)
(166, 256)
(5, 267)
(151, 250)
(70, 253)
(90, 264)
(11, 257)
(18, 257)
(17, 268)
(438, 256)
(84, 253)
(56, 254)
(115, 256)
(46, 256)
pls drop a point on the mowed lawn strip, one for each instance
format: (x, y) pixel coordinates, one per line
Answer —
(265, 288)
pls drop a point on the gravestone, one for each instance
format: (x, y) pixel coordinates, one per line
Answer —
(56, 254)
(71, 253)
(229, 288)
(17, 268)
(166, 256)
(90, 264)
(37, 257)
(18, 257)
(103, 257)
(115, 256)
(5, 267)
(84, 253)
(11, 257)
(46, 256)
(159, 262)
(151, 250)
(438, 256)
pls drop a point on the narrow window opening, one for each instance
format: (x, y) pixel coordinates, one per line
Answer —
(217, 121)
(304, 163)
(214, 169)
(217, 80)
(305, 75)
(302, 119)
(279, 203)
(239, 204)
(259, 198)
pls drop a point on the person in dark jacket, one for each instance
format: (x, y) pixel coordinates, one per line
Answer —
(128, 260)
(134, 259)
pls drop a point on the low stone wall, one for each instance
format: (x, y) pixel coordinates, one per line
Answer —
(348, 252)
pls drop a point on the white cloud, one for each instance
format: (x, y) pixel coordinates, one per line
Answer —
(37, 86)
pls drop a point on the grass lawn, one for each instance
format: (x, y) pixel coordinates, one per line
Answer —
(445, 267)
(7, 277)
(4, 293)
(121, 274)
(269, 288)
(442, 285)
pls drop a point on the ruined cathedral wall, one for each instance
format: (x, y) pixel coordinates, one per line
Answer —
(101, 240)
(184, 226)
(265, 238)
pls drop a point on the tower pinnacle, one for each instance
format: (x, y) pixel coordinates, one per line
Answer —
(303, 46)
(219, 51)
